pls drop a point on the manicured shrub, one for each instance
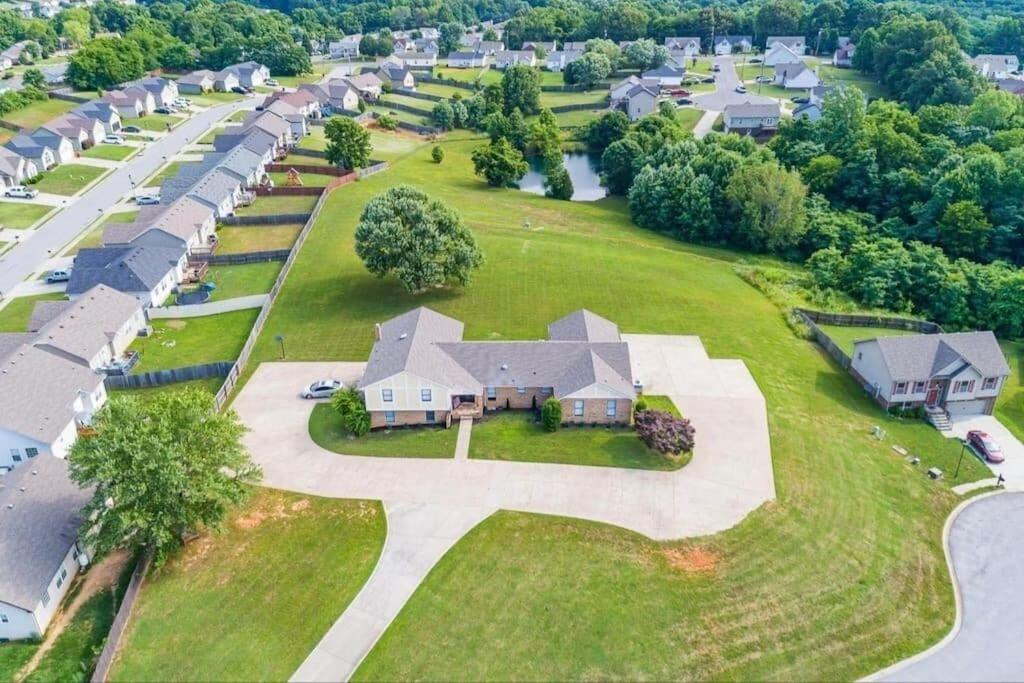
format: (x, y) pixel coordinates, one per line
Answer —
(388, 122)
(664, 433)
(437, 154)
(551, 414)
(639, 404)
(349, 403)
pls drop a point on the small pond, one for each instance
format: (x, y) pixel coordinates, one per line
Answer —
(584, 170)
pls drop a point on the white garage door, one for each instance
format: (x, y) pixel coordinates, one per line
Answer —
(975, 407)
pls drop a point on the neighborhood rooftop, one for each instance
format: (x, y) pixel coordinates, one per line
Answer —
(921, 356)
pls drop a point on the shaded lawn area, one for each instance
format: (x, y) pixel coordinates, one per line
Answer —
(299, 558)
(110, 152)
(15, 315)
(1010, 406)
(210, 385)
(402, 442)
(166, 173)
(844, 336)
(38, 113)
(268, 206)
(242, 280)
(21, 215)
(241, 240)
(194, 341)
(840, 576)
(833, 75)
(76, 649)
(516, 435)
(154, 122)
(13, 656)
(67, 179)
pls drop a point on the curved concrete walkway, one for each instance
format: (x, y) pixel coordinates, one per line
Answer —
(986, 555)
(432, 502)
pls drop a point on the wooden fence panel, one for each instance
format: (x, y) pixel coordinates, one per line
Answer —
(269, 219)
(159, 378)
(248, 257)
(124, 612)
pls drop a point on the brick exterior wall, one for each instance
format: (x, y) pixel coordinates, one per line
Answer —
(405, 418)
(594, 412)
(516, 401)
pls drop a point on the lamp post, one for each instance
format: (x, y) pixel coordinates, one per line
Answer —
(963, 447)
(279, 338)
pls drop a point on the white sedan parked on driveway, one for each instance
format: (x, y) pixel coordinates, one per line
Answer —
(322, 388)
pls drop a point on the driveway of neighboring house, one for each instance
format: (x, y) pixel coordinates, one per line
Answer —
(1012, 468)
(725, 93)
(987, 556)
(431, 503)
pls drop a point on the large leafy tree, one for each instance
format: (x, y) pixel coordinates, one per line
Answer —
(161, 469)
(964, 230)
(588, 70)
(769, 204)
(419, 240)
(500, 164)
(348, 143)
(608, 128)
(450, 35)
(645, 54)
(520, 89)
(104, 63)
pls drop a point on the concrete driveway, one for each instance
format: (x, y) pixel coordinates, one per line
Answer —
(987, 557)
(725, 93)
(1012, 468)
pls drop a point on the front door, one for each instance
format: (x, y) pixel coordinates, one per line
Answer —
(934, 391)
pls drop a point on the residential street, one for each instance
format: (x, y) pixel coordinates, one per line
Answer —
(45, 242)
(725, 93)
(988, 563)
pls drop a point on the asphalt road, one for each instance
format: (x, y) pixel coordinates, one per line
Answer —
(725, 93)
(45, 242)
(988, 560)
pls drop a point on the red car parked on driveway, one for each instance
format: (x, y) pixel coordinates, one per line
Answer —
(985, 445)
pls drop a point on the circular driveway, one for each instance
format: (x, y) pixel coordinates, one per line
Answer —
(986, 546)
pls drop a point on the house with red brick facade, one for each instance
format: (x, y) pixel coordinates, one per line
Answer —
(421, 371)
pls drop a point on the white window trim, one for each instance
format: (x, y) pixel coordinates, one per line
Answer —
(387, 395)
(389, 417)
(611, 408)
(899, 388)
(577, 408)
(426, 395)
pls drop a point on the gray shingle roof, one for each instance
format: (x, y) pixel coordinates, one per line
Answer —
(214, 187)
(583, 325)
(920, 356)
(11, 341)
(26, 146)
(750, 109)
(44, 312)
(38, 526)
(240, 161)
(126, 269)
(91, 322)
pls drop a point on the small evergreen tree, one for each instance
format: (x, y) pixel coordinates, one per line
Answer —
(351, 406)
(437, 154)
(551, 414)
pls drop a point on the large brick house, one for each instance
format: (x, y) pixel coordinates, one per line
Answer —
(422, 372)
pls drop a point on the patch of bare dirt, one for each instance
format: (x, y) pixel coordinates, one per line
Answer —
(692, 560)
(176, 324)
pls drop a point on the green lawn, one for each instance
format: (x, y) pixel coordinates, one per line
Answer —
(242, 280)
(166, 173)
(663, 403)
(21, 215)
(391, 145)
(308, 161)
(320, 69)
(308, 179)
(15, 315)
(94, 238)
(832, 75)
(404, 442)
(598, 98)
(154, 122)
(442, 90)
(194, 341)
(110, 152)
(74, 653)
(688, 117)
(212, 99)
(210, 385)
(38, 113)
(844, 336)
(315, 140)
(238, 116)
(250, 603)
(67, 179)
(401, 115)
(1010, 408)
(422, 105)
(243, 240)
(843, 574)
(515, 435)
(267, 206)
(13, 656)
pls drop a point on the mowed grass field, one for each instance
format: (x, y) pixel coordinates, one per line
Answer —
(840, 576)
(68, 179)
(250, 603)
(19, 215)
(38, 113)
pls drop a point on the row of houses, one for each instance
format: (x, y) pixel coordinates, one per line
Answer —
(245, 75)
(61, 139)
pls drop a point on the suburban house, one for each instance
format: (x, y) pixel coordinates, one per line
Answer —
(418, 59)
(225, 80)
(164, 90)
(557, 60)
(196, 82)
(1011, 85)
(218, 191)
(781, 53)
(689, 47)
(843, 56)
(959, 374)
(50, 397)
(726, 45)
(244, 164)
(40, 554)
(14, 53)
(334, 95)
(303, 101)
(81, 132)
(506, 58)
(148, 273)
(795, 43)
(421, 371)
(291, 115)
(809, 110)
(39, 153)
(399, 77)
(666, 75)
(534, 45)
(255, 140)
(489, 47)
(796, 76)
(367, 85)
(104, 112)
(640, 101)
(467, 60)
(15, 169)
(131, 103)
(578, 45)
(749, 118)
(994, 67)
(346, 48)
(250, 74)
(618, 91)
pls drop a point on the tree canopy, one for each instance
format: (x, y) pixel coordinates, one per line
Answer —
(348, 143)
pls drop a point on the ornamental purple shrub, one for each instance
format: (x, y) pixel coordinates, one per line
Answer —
(663, 432)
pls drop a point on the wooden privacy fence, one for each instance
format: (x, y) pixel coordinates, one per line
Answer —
(319, 169)
(397, 106)
(578, 107)
(313, 153)
(159, 378)
(240, 363)
(447, 81)
(248, 257)
(269, 219)
(419, 95)
(288, 191)
(863, 320)
(124, 612)
(404, 125)
(56, 95)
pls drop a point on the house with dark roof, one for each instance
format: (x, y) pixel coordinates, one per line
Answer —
(250, 74)
(666, 75)
(749, 118)
(148, 273)
(958, 374)
(421, 371)
(39, 152)
(163, 90)
(467, 59)
(1011, 85)
(503, 59)
(842, 58)
(197, 82)
(397, 76)
(15, 169)
(132, 102)
(40, 554)
(639, 101)
(104, 112)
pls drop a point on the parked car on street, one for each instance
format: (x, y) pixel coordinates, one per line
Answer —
(764, 79)
(985, 446)
(162, 110)
(21, 192)
(183, 102)
(716, 67)
(238, 90)
(271, 81)
(147, 199)
(113, 140)
(741, 89)
(59, 275)
(322, 388)
(684, 101)
(131, 129)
